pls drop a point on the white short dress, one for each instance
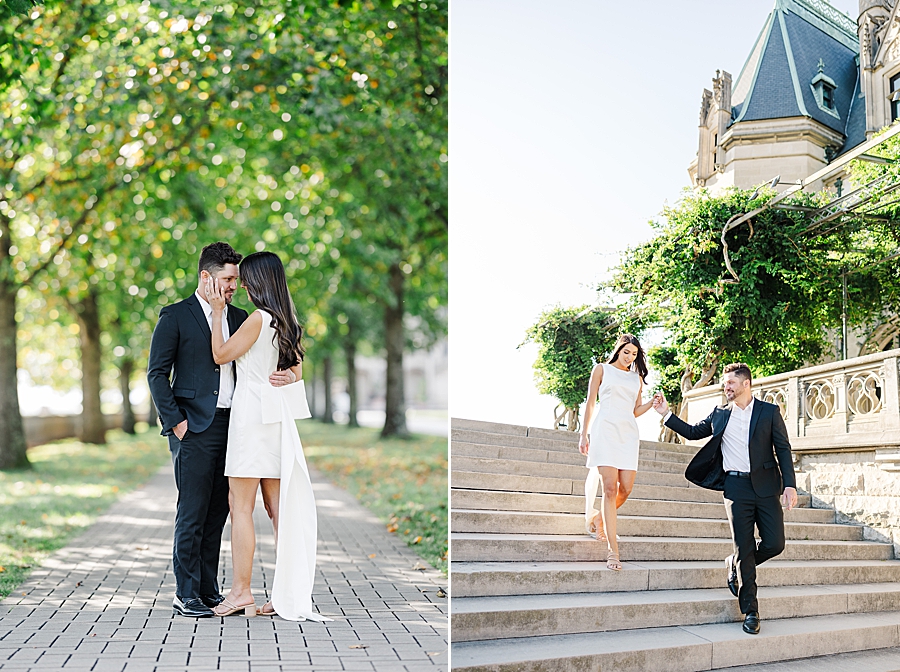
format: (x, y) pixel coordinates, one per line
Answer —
(263, 442)
(254, 447)
(614, 431)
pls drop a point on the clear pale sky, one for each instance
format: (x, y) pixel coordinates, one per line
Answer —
(571, 124)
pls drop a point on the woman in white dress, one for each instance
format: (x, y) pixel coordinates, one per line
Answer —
(609, 436)
(264, 448)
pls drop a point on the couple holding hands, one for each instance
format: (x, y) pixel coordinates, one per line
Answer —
(748, 458)
(227, 387)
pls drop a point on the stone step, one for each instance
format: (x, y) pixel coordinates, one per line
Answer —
(472, 579)
(478, 480)
(575, 458)
(682, 649)
(635, 506)
(879, 660)
(536, 432)
(563, 443)
(480, 618)
(478, 547)
(489, 427)
(648, 485)
(486, 465)
(527, 522)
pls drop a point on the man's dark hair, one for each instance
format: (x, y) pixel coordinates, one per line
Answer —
(214, 256)
(739, 369)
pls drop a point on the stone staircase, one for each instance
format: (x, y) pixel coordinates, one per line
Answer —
(530, 590)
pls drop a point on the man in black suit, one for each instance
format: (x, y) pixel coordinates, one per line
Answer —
(193, 410)
(749, 443)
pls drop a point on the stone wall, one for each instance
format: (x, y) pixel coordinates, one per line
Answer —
(858, 487)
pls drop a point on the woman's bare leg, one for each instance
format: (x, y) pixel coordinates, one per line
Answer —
(271, 491)
(626, 485)
(591, 486)
(241, 501)
(609, 481)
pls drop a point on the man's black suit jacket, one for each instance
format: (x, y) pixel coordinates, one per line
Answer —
(182, 347)
(768, 443)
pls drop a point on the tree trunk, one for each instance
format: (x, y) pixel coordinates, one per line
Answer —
(326, 378)
(350, 355)
(125, 370)
(12, 432)
(313, 399)
(394, 340)
(93, 428)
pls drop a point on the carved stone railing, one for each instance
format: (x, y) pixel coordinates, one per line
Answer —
(845, 405)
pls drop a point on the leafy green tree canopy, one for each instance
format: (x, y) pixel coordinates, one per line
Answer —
(570, 341)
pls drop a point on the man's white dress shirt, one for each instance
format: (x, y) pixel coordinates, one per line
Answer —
(735, 439)
(226, 371)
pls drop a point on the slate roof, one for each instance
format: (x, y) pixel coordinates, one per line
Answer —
(776, 81)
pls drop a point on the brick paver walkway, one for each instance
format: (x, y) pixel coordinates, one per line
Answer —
(103, 603)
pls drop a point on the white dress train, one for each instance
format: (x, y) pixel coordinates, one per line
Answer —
(263, 442)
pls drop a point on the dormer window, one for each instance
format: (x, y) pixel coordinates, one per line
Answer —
(827, 96)
(823, 88)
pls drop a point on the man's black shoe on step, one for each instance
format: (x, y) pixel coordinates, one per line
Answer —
(751, 623)
(212, 601)
(732, 575)
(192, 607)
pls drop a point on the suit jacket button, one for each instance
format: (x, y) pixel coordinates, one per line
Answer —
(216, 392)
(217, 370)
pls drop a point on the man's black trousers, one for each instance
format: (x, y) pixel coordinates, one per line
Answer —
(745, 509)
(199, 461)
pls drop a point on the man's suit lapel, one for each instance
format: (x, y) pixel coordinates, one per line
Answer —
(754, 418)
(197, 311)
(726, 411)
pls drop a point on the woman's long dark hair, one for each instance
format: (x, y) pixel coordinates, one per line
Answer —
(640, 362)
(262, 274)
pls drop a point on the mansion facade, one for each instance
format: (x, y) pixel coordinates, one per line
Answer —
(815, 85)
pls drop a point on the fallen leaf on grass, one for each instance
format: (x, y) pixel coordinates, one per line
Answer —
(417, 539)
(441, 592)
(359, 646)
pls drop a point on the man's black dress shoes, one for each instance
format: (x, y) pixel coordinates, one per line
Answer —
(212, 601)
(751, 623)
(192, 607)
(732, 575)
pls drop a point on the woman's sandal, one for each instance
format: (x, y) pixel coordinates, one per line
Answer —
(248, 609)
(262, 611)
(597, 528)
(612, 561)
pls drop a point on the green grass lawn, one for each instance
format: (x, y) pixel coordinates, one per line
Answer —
(403, 482)
(69, 485)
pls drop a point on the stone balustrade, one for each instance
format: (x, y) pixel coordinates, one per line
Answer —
(845, 405)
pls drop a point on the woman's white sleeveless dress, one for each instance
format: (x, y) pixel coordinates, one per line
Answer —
(263, 443)
(614, 431)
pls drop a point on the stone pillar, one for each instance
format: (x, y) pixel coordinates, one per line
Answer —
(841, 412)
(890, 402)
(794, 407)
